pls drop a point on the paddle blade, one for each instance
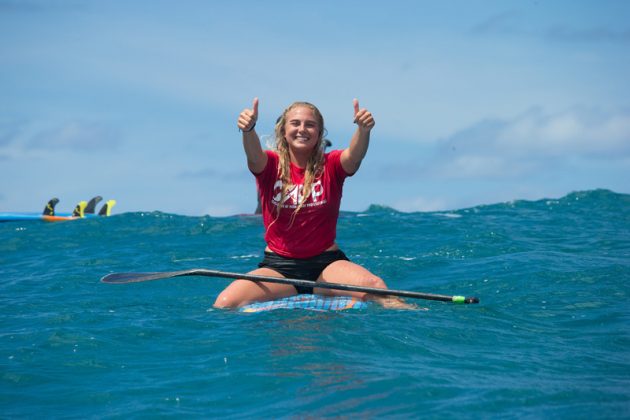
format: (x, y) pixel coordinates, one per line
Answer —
(121, 278)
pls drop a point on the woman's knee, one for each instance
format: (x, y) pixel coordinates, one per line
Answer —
(233, 296)
(375, 282)
(226, 300)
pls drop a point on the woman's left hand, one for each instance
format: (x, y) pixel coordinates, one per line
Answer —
(362, 117)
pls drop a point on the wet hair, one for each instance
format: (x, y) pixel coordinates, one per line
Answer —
(315, 164)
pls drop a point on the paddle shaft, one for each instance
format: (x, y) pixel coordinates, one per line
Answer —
(120, 278)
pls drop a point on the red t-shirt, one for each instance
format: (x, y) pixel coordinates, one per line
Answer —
(314, 227)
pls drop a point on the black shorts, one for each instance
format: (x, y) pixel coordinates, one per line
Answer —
(301, 268)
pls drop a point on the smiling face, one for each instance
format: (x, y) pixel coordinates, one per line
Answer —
(302, 130)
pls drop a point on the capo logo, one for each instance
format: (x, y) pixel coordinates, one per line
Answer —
(296, 195)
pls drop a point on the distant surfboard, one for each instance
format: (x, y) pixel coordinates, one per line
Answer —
(82, 210)
(24, 217)
(308, 302)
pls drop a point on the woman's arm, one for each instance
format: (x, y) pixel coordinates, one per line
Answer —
(352, 157)
(256, 157)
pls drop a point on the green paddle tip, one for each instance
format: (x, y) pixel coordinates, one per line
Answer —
(463, 299)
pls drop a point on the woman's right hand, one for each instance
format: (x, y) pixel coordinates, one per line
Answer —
(247, 119)
(256, 157)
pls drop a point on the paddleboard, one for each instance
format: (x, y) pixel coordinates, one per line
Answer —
(25, 217)
(12, 217)
(82, 210)
(308, 302)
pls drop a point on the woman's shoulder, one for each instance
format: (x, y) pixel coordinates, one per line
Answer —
(272, 156)
(333, 156)
(333, 162)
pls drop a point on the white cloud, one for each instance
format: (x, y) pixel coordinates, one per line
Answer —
(575, 132)
(77, 135)
(533, 140)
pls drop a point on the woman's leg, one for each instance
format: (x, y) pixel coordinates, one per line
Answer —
(242, 292)
(348, 272)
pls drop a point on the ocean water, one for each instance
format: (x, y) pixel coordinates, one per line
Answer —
(550, 338)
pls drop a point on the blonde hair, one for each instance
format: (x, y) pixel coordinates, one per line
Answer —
(314, 166)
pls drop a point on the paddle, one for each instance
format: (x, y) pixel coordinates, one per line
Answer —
(120, 278)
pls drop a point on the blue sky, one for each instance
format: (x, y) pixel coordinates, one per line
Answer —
(476, 102)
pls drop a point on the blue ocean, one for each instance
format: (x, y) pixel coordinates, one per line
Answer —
(550, 337)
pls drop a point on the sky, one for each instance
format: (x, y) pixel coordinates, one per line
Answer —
(475, 101)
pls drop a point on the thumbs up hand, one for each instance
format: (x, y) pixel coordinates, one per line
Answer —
(247, 119)
(362, 117)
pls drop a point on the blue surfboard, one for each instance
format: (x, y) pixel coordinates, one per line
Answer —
(308, 302)
(27, 217)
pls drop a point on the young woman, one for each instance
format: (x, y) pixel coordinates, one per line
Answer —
(300, 189)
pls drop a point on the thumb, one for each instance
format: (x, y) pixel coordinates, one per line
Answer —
(355, 102)
(255, 108)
